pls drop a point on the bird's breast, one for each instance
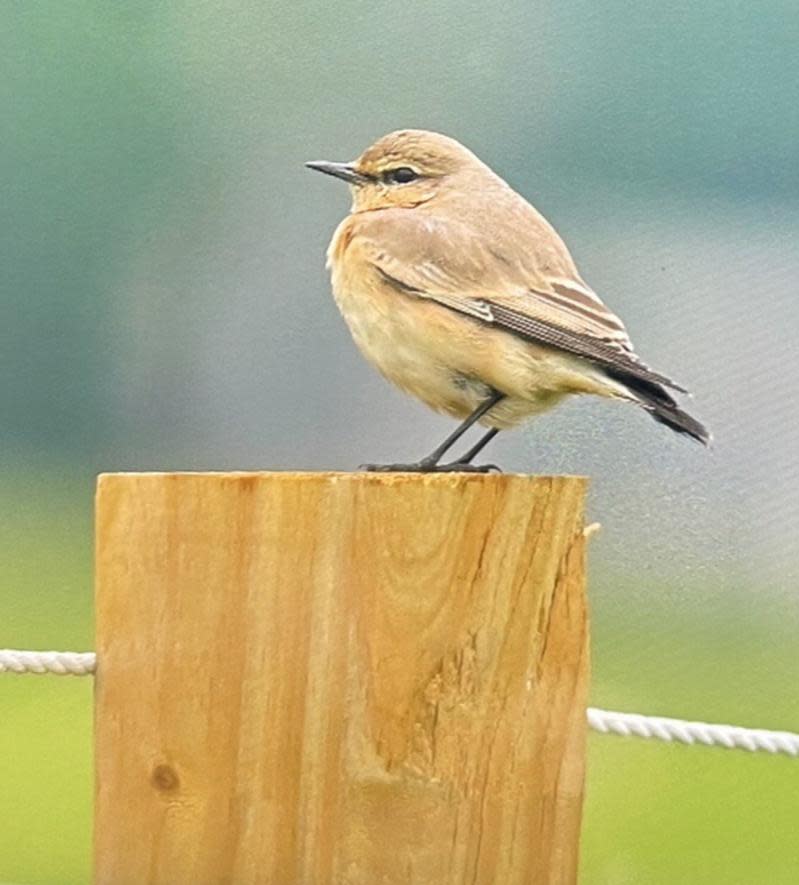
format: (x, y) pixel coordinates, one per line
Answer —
(406, 341)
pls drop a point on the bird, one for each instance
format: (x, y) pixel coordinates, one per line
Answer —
(463, 295)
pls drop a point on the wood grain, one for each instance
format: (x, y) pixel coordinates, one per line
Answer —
(331, 678)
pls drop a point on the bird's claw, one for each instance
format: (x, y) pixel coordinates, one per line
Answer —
(473, 468)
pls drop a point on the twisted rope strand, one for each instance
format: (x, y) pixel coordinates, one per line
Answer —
(711, 735)
(61, 663)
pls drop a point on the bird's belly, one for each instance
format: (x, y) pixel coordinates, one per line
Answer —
(447, 361)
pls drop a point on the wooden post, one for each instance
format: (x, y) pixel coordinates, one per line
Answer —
(334, 679)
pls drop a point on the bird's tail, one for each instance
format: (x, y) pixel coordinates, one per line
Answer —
(678, 420)
(662, 406)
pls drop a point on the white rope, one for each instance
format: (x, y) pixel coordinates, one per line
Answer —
(71, 663)
(62, 663)
(712, 735)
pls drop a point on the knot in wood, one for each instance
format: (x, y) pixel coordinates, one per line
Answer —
(165, 778)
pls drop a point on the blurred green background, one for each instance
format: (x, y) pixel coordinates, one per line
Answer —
(164, 305)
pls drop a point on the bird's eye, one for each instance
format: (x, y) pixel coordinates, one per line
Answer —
(401, 175)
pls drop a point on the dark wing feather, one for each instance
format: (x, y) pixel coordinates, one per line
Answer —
(611, 358)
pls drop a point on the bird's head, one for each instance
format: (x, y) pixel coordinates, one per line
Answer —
(405, 169)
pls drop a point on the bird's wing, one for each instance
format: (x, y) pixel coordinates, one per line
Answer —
(537, 297)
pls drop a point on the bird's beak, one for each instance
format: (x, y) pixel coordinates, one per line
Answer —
(345, 171)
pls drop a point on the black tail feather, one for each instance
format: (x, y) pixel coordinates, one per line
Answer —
(662, 406)
(678, 420)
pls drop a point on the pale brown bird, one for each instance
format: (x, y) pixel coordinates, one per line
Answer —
(463, 295)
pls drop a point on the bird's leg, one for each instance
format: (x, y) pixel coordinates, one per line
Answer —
(478, 446)
(463, 464)
(430, 463)
(437, 454)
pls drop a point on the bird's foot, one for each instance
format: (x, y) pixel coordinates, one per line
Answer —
(465, 467)
(424, 466)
